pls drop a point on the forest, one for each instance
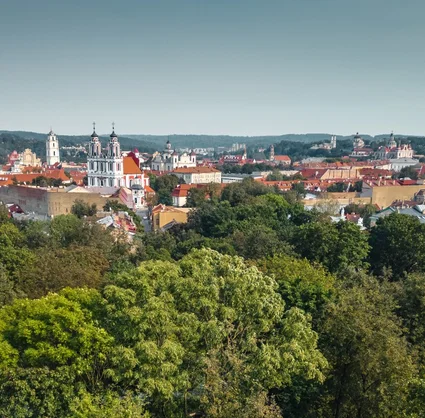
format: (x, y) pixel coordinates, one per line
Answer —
(254, 308)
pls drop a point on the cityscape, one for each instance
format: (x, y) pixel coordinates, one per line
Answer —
(212, 209)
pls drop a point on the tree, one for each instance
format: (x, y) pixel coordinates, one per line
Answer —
(244, 191)
(51, 348)
(207, 323)
(336, 188)
(409, 172)
(397, 244)
(371, 368)
(4, 214)
(301, 284)
(13, 254)
(257, 241)
(63, 267)
(115, 206)
(196, 197)
(82, 209)
(299, 189)
(336, 246)
(164, 197)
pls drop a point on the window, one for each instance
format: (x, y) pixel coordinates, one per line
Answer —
(53, 153)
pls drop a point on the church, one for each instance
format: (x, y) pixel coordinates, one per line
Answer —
(393, 151)
(169, 159)
(108, 169)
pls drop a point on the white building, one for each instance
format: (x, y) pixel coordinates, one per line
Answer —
(104, 169)
(198, 175)
(326, 145)
(392, 151)
(398, 163)
(170, 159)
(358, 141)
(108, 170)
(52, 149)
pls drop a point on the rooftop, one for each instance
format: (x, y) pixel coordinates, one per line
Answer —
(196, 170)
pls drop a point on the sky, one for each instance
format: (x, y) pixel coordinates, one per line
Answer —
(235, 67)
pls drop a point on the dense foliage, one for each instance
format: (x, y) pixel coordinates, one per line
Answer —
(254, 308)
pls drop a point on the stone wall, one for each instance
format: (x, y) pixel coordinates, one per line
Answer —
(48, 202)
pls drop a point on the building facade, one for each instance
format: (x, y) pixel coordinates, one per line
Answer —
(109, 170)
(29, 159)
(170, 159)
(104, 169)
(199, 175)
(393, 151)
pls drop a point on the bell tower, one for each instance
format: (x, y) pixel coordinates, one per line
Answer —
(52, 149)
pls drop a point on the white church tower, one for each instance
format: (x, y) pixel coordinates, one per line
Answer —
(52, 149)
(104, 169)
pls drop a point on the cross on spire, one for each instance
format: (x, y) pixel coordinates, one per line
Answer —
(113, 126)
(94, 126)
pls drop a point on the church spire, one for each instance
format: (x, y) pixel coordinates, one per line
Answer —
(113, 134)
(94, 134)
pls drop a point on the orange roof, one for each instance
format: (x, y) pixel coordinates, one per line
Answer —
(130, 166)
(6, 179)
(281, 158)
(180, 192)
(197, 170)
(148, 189)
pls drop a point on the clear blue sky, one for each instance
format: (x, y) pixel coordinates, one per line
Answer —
(237, 67)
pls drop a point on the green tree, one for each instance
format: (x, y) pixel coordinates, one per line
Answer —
(13, 254)
(371, 366)
(397, 245)
(336, 246)
(409, 172)
(164, 197)
(4, 214)
(82, 209)
(301, 284)
(64, 267)
(209, 312)
(337, 187)
(196, 197)
(50, 348)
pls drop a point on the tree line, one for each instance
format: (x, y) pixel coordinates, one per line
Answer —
(254, 308)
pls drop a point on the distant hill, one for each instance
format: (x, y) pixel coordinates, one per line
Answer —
(19, 140)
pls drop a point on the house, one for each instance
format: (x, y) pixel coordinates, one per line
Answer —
(282, 160)
(417, 211)
(163, 216)
(198, 175)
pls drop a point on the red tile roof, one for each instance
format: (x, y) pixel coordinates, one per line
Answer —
(130, 166)
(196, 170)
(282, 158)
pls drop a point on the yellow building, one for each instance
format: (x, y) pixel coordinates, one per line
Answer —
(164, 217)
(385, 192)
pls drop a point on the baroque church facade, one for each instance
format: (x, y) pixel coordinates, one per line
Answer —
(108, 169)
(170, 160)
(393, 151)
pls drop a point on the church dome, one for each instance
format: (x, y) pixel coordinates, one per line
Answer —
(94, 134)
(113, 135)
